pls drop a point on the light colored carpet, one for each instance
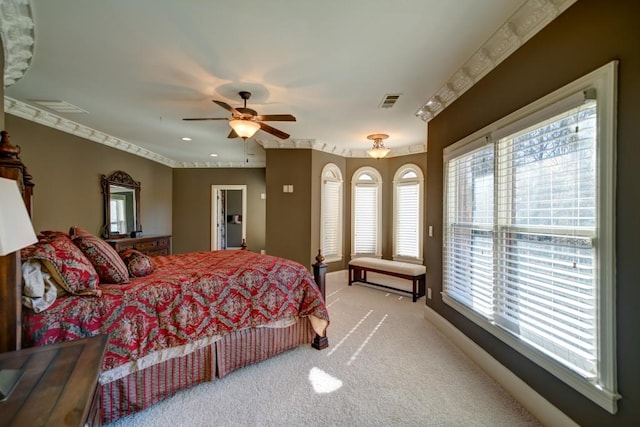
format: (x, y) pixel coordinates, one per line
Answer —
(386, 366)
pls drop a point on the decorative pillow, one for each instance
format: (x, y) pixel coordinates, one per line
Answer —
(66, 264)
(139, 264)
(50, 234)
(43, 237)
(102, 256)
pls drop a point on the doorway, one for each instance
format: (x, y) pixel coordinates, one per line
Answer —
(228, 216)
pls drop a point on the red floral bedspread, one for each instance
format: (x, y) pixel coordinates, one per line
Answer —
(186, 298)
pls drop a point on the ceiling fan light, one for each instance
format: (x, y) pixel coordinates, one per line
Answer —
(244, 128)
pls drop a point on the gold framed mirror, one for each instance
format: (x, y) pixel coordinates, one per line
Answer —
(121, 205)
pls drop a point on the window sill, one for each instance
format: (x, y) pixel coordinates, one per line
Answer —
(604, 398)
(418, 261)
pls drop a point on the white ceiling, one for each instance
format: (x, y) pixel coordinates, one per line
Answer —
(138, 67)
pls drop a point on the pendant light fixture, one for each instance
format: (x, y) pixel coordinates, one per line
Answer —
(379, 150)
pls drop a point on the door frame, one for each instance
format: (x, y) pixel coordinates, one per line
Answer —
(215, 189)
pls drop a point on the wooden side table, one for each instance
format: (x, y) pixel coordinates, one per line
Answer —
(59, 386)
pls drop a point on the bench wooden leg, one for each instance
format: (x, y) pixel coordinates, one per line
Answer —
(357, 274)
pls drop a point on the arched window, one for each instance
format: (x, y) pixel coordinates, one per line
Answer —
(366, 213)
(331, 213)
(408, 213)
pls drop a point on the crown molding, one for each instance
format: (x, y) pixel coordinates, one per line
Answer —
(236, 164)
(16, 30)
(527, 21)
(38, 115)
(294, 143)
(313, 144)
(34, 114)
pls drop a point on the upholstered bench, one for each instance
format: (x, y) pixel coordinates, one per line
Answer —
(358, 268)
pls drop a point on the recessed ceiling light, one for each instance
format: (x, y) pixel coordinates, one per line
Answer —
(186, 138)
(213, 155)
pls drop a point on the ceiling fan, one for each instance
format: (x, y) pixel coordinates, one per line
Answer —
(245, 122)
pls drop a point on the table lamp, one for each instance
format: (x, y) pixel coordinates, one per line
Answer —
(16, 232)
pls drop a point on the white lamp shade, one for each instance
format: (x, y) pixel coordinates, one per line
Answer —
(16, 230)
(378, 153)
(244, 128)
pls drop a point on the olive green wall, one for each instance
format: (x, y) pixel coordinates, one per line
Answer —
(66, 171)
(192, 206)
(586, 36)
(289, 214)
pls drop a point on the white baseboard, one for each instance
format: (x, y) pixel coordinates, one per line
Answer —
(540, 407)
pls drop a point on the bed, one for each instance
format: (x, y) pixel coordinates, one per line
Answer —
(191, 318)
(197, 316)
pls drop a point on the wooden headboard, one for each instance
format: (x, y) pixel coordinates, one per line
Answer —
(11, 167)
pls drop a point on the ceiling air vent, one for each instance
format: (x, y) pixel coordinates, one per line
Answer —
(389, 100)
(60, 106)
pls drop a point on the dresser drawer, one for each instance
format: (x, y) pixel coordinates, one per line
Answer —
(123, 246)
(158, 252)
(148, 245)
(163, 242)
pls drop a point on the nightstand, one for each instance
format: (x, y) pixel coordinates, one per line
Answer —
(59, 386)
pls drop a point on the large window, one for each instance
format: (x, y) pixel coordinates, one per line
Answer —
(331, 213)
(407, 214)
(365, 216)
(528, 233)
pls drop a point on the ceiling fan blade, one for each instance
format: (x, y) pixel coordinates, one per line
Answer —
(232, 134)
(276, 118)
(206, 118)
(273, 131)
(227, 107)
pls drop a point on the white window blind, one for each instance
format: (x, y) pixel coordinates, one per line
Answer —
(331, 219)
(407, 214)
(519, 237)
(366, 219)
(546, 281)
(407, 217)
(528, 234)
(468, 236)
(331, 213)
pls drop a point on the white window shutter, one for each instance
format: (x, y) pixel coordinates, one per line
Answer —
(331, 213)
(331, 219)
(407, 217)
(366, 219)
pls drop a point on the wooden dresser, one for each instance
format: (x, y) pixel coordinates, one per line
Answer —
(59, 386)
(148, 245)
